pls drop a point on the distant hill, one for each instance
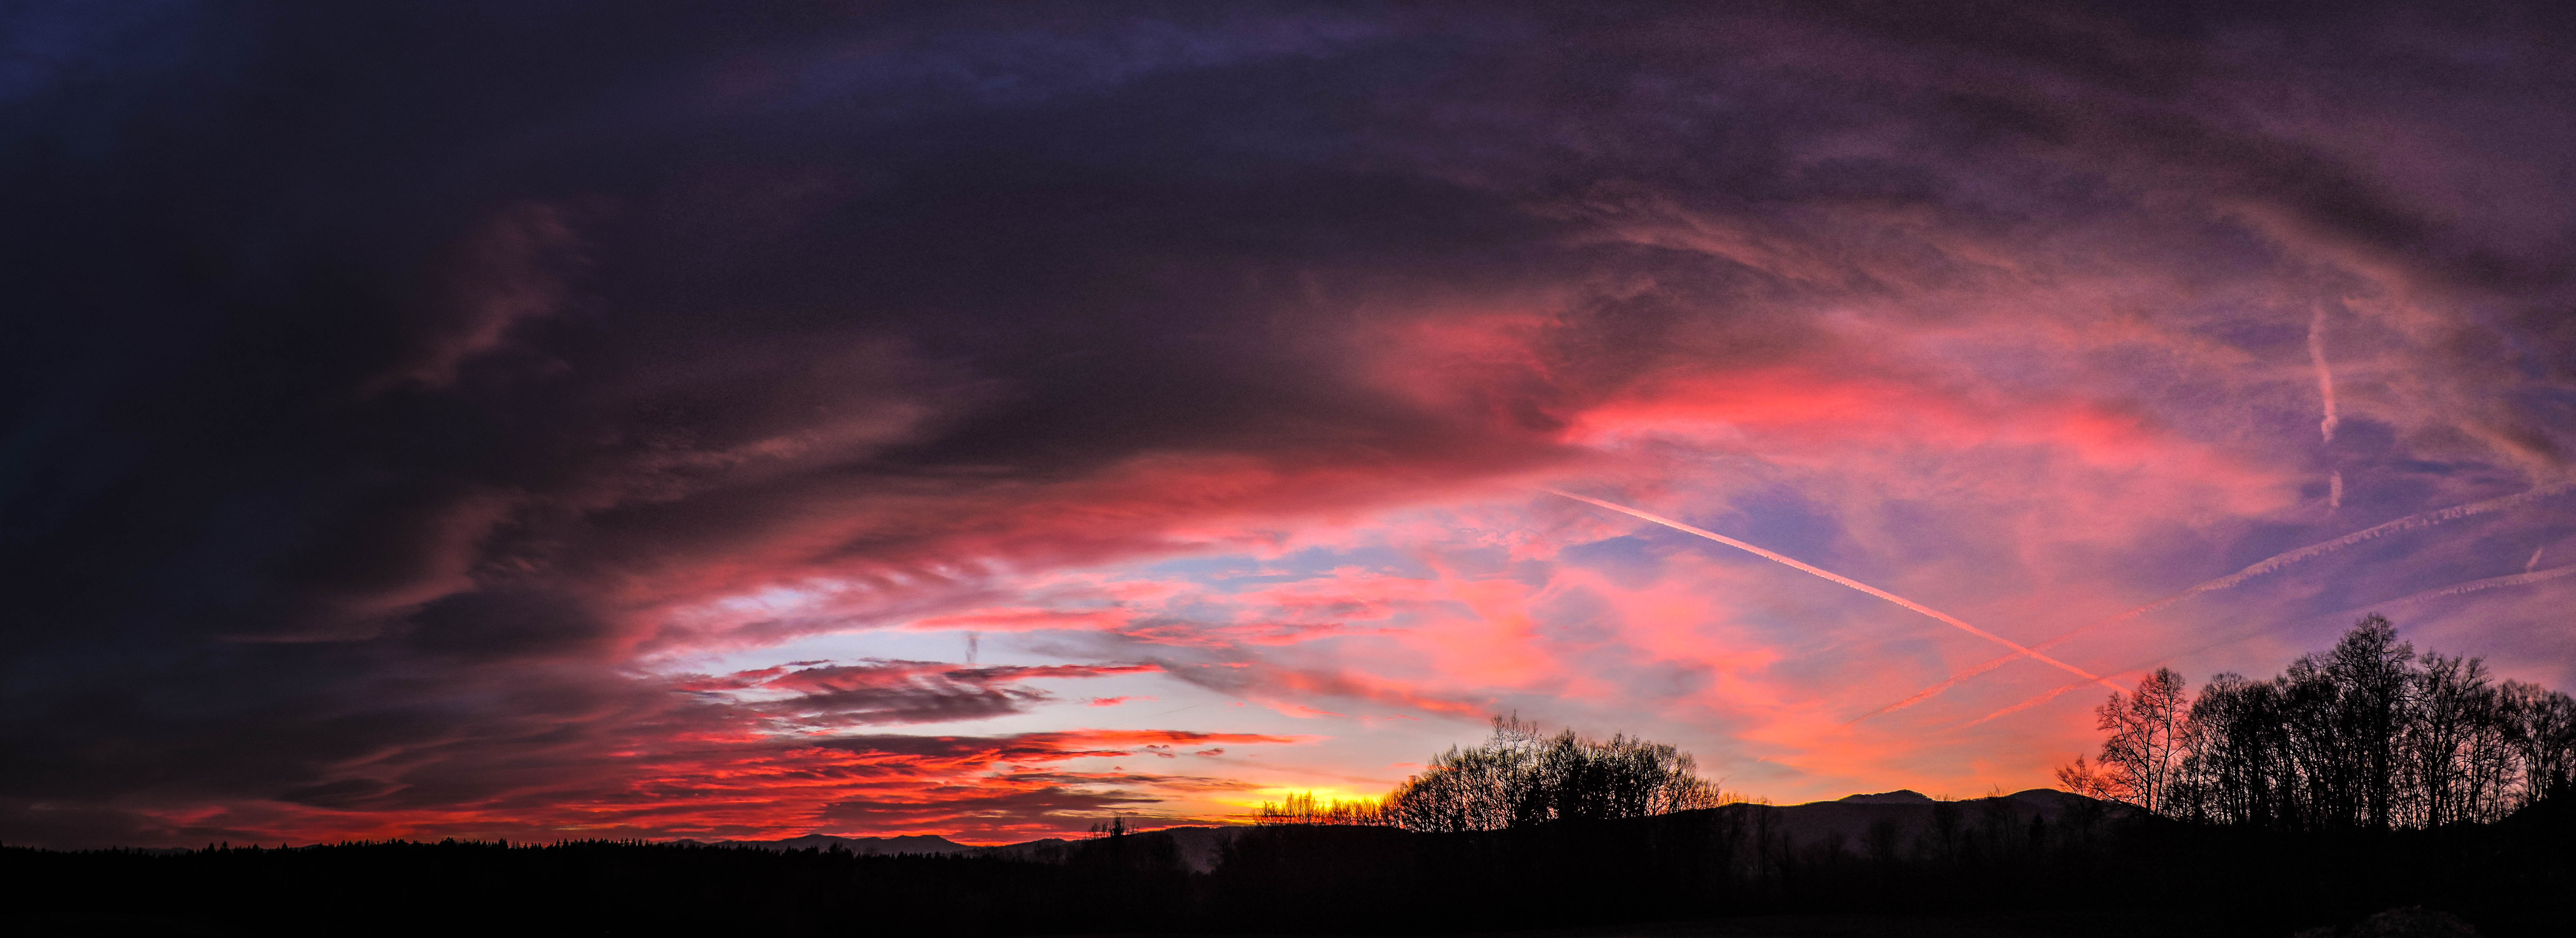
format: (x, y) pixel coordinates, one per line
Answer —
(1858, 819)
(1904, 813)
(1200, 847)
(863, 846)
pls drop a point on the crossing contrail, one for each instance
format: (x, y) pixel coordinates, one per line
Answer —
(1945, 618)
(1934, 690)
(2024, 705)
(2258, 568)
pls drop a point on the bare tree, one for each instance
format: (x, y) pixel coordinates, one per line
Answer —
(2237, 770)
(2146, 750)
(2454, 744)
(1305, 810)
(2366, 734)
(2369, 671)
(1472, 789)
(2085, 779)
(1519, 777)
(2540, 725)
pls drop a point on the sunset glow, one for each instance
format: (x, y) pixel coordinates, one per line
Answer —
(987, 423)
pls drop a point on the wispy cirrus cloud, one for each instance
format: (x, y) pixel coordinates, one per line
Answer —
(663, 443)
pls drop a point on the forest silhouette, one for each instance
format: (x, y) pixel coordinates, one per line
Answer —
(2365, 735)
(2364, 780)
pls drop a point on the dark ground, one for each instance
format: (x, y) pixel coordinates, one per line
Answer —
(2003, 867)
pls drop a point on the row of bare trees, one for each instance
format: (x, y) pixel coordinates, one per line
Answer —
(1304, 809)
(1520, 777)
(2365, 735)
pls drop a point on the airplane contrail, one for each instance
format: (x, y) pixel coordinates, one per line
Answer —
(2325, 376)
(2025, 705)
(2472, 586)
(1929, 692)
(2408, 523)
(2455, 589)
(2080, 685)
(2258, 568)
(1946, 618)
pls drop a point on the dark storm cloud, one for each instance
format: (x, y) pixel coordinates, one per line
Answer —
(376, 357)
(386, 378)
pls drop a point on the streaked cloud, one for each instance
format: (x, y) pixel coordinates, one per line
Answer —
(985, 422)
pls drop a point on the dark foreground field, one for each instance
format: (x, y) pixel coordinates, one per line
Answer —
(2037, 864)
(2011, 925)
(2047, 925)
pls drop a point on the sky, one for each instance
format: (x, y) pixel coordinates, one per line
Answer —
(575, 420)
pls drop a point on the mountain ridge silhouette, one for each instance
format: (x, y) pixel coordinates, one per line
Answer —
(1201, 846)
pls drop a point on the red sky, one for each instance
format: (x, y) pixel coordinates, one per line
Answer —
(984, 423)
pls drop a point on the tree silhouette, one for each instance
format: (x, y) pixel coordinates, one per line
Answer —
(2540, 725)
(1304, 809)
(2146, 749)
(2366, 735)
(1519, 778)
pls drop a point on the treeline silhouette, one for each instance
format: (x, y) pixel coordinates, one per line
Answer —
(2077, 864)
(1518, 778)
(1530, 831)
(2364, 735)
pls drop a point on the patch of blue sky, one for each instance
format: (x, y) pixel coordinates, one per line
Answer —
(1231, 573)
(1781, 519)
(1629, 561)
